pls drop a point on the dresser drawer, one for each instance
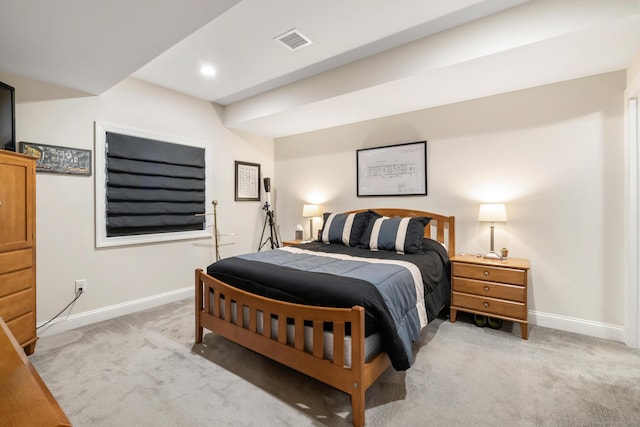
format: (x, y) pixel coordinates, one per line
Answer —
(490, 273)
(489, 289)
(16, 305)
(23, 328)
(489, 306)
(15, 260)
(16, 281)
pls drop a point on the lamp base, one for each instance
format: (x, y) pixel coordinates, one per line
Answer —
(492, 255)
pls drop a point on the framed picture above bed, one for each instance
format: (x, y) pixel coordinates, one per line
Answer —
(392, 170)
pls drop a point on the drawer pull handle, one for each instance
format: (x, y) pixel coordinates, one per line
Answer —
(486, 273)
(0, 202)
(486, 304)
(486, 289)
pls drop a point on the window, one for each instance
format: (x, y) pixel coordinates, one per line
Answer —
(149, 187)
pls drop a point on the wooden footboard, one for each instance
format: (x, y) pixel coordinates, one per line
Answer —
(234, 314)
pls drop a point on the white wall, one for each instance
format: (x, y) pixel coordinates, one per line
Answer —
(136, 275)
(553, 154)
(632, 204)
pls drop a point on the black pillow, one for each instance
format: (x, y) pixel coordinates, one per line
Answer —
(403, 235)
(346, 229)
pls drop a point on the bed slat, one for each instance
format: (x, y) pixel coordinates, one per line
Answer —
(299, 334)
(227, 310)
(318, 339)
(266, 324)
(282, 329)
(253, 321)
(338, 343)
(440, 235)
(240, 320)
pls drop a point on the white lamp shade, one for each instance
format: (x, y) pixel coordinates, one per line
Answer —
(310, 210)
(492, 212)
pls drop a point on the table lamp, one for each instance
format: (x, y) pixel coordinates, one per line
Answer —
(310, 211)
(492, 212)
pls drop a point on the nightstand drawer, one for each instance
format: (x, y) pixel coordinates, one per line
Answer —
(489, 289)
(494, 274)
(293, 242)
(489, 306)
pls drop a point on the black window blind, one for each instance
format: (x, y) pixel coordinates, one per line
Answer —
(153, 186)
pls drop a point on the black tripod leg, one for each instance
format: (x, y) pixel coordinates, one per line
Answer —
(270, 214)
(264, 227)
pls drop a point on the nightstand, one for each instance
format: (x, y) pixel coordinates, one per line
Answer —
(490, 287)
(293, 242)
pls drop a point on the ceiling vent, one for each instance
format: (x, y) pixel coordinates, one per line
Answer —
(293, 39)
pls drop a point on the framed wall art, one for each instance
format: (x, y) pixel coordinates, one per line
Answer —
(392, 170)
(247, 182)
(56, 159)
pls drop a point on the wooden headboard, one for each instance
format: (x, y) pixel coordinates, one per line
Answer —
(444, 226)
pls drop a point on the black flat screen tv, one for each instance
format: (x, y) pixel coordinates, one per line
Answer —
(7, 117)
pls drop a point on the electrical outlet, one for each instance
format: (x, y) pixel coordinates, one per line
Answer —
(81, 286)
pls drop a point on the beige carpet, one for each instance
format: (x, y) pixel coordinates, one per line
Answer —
(144, 370)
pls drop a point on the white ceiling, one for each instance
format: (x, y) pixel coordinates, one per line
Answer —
(368, 58)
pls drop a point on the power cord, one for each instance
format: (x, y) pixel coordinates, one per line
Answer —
(63, 310)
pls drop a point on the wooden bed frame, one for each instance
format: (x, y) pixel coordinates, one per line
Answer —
(215, 314)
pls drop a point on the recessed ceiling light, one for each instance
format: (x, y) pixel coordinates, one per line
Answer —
(208, 70)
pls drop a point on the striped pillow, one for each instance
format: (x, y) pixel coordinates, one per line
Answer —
(403, 235)
(346, 229)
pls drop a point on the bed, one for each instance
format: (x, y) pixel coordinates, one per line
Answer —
(270, 302)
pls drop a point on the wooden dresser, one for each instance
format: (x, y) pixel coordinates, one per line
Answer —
(18, 247)
(25, 400)
(490, 287)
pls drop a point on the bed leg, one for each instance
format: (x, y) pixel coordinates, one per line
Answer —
(357, 405)
(199, 331)
(358, 387)
(198, 289)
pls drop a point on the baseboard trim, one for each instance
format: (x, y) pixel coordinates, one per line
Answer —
(104, 313)
(547, 320)
(578, 326)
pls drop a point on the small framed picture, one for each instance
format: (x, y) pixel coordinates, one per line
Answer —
(247, 182)
(56, 159)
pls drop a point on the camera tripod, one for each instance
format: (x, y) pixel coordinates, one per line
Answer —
(273, 232)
